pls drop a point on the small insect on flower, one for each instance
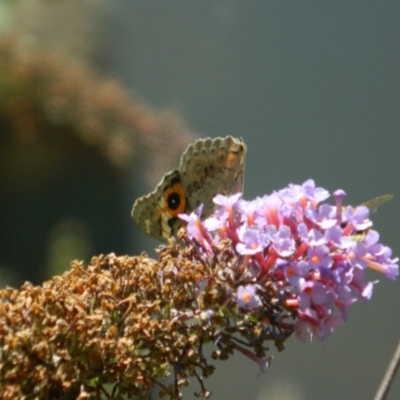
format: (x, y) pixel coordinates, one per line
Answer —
(372, 206)
(378, 201)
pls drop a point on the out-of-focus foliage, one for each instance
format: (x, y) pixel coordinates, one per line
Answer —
(69, 137)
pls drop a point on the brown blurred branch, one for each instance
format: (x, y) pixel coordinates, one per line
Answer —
(44, 96)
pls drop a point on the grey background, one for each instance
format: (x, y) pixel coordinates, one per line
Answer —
(313, 88)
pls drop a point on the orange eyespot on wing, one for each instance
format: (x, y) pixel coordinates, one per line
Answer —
(151, 213)
(175, 200)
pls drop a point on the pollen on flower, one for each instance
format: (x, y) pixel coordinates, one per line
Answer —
(308, 290)
(246, 297)
(315, 259)
(290, 271)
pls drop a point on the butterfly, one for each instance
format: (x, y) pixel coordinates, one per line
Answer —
(208, 167)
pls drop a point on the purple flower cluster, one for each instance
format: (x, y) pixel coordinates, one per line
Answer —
(317, 254)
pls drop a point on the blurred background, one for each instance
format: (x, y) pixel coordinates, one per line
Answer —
(98, 99)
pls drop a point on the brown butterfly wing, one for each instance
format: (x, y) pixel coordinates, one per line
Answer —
(151, 212)
(210, 167)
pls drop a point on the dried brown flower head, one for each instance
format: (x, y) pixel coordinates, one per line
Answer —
(124, 321)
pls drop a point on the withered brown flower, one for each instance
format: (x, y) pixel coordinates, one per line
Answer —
(125, 321)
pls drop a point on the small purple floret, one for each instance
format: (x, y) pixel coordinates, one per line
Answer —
(247, 297)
